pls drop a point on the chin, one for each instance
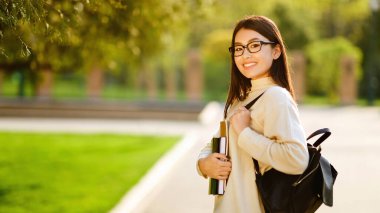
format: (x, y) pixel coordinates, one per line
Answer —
(252, 75)
(249, 76)
(257, 75)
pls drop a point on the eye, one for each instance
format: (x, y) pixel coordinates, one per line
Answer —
(254, 45)
(238, 48)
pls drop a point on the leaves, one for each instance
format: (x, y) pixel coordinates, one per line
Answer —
(325, 58)
(48, 29)
(72, 33)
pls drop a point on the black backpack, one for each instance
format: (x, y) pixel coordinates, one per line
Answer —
(303, 193)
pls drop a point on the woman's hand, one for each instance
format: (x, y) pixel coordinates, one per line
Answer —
(240, 120)
(215, 166)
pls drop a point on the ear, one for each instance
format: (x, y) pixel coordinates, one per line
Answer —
(276, 52)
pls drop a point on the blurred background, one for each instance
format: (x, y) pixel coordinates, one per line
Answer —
(93, 93)
(177, 50)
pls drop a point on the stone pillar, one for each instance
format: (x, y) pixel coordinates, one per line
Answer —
(147, 80)
(94, 83)
(45, 83)
(193, 76)
(348, 82)
(170, 84)
(298, 65)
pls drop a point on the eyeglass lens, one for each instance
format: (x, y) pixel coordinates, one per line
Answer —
(252, 47)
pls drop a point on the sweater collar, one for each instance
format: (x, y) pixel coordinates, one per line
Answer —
(262, 83)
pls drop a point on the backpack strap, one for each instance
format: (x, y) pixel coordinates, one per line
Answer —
(326, 133)
(250, 104)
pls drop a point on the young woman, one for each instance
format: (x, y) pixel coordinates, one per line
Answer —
(270, 131)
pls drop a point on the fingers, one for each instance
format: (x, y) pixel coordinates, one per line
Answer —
(220, 156)
(222, 160)
(226, 164)
(222, 177)
(240, 119)
(240, 113)
(241, 110)
(217, 166)
(224, 168)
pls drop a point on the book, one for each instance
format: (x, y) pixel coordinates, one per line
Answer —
(219, 145)
(224, 125)
(214, 183)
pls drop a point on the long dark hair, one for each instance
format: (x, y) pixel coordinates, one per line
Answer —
(240, 86)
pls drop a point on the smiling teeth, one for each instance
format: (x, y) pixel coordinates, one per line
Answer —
(248, 65)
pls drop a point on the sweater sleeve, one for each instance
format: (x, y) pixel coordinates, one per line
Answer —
(206, 151)
(282, 144)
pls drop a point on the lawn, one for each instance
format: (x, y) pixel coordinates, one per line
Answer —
(72, 172)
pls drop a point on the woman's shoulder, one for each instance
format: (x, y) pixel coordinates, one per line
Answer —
(277, 94)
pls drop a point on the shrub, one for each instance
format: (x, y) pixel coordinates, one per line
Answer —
(323, 73)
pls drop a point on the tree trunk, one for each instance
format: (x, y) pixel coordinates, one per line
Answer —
(147, 81)
(298, 64)
(348, 81)
(170, 84)
(94, 82)
(45, 83)
(194, 76)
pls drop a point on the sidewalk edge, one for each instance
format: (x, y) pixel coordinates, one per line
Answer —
(133, 200)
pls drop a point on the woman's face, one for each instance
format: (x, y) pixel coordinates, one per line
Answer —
(255, 65)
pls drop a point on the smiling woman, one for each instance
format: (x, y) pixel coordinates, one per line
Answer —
(256, 62)
(271, 132)
(72, 172)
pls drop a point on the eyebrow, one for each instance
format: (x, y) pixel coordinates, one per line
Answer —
(252, 39)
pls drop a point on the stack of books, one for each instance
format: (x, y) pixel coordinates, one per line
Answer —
(220, 145)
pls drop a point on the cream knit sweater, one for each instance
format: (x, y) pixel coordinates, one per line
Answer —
(275, 138)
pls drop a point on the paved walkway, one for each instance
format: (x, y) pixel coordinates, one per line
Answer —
(118, 126)
(352, 148)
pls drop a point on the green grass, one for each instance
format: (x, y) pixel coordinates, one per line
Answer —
(74, 89)
(315, 100)
(66, 89)
(364, 102)
(324, 101)
(72, 172)
(9, 88)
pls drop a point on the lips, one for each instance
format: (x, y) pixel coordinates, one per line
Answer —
(248, 65)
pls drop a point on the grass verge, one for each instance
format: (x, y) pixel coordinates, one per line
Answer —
(72, 172)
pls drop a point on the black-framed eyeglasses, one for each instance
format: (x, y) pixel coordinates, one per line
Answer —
(252, 47)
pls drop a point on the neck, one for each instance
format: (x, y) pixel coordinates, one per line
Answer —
(262, 75)
(261, 83)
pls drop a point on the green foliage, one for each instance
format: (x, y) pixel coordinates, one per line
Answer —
(369, 86)
(121, 36)
(14, 12)
(297, 32)
(324, 68)
(342, 18)
(72, 172)
(94, 28)
(216, 63)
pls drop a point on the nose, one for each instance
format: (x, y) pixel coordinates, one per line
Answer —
(246, 53)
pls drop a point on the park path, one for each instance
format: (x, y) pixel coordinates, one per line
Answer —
(89, 125)
(352, 148)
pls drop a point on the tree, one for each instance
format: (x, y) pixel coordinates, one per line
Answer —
(87, 32)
